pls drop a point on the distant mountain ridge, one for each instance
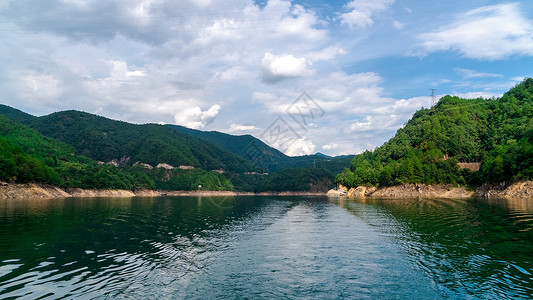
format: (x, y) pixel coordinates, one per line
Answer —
(240, 162)
(262, 155)
(106, 140)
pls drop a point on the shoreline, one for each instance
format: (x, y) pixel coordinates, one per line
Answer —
(39, 191)
(522, 190)
(517, 190)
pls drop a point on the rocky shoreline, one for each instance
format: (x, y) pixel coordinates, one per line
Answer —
(38, 191)
(522, 189)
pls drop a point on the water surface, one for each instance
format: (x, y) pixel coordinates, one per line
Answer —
(265, 247)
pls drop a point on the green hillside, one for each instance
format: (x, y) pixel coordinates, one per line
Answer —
(103, 139)
(259, 154)
(247, 162)
(15, 115)
(496, 133)
(28, 156)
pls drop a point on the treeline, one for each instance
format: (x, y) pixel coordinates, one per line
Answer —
(294, 180)
(497, 133)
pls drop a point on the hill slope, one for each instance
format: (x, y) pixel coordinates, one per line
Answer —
(260, 154)
(108, 140)
(28, 156)
(15, 115)
(497, 134)
(244, 159)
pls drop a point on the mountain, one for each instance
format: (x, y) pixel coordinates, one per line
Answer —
(260, 154)
(248, 147)
(15, 114)
(135, 150)
(107, 140)
(28, 156)
(458, 141)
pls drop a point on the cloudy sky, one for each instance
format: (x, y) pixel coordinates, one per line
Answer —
(310, 76)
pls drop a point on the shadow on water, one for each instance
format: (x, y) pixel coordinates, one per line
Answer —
(482, 248)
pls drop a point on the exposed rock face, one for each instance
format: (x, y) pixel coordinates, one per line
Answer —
(361, 191)
(335, 193)
(471, 166)
(36, 191)
(517, 190)
(165, 166)
(30, 191)
(522, 189)
(147, 193)
(411, 191)
(100, 193)
(119, 162)
(146, 166)
(342, 188)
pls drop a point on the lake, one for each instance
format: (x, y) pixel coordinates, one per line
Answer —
(266, 247)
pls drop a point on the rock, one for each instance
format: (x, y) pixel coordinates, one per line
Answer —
(411, 191)
(357, 192)
(335, 193)
(165, 166)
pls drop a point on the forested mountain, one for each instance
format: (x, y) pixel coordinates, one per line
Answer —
(106, 140)
(261, 155)
(496, 133)
(248, 163)
(28, 156)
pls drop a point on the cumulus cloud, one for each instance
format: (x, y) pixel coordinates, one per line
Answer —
(487, 33)
(41, 87)
(330, 146)
(275, 68)
(299, 147)
(362, 12)
(195, 118)
(239, 128)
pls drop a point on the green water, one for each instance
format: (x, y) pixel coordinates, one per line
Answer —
(266, 247)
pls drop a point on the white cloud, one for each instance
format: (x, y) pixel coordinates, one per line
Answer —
(363, 11)
(488, 33)
(276, 68)
(238, 127)
(41, 87)
(364, 125)
(299, 147)
(330, 146)
(397, 24)
(195, 118)
(466, 73)
(233, 73)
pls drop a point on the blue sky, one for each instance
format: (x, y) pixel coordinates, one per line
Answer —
(241, 66)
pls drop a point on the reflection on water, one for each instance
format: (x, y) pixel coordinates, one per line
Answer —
(479, 247)
(266, 247)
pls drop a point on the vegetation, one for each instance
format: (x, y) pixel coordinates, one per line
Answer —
(497, 133)
(293, 180)
(63, 148)
(27, 156)
(106, 140)
(262, 156)
(67, 156)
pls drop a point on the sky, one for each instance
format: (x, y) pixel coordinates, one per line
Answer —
(336, 77)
